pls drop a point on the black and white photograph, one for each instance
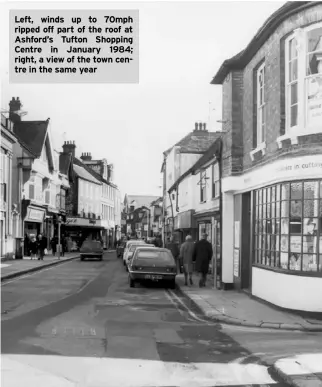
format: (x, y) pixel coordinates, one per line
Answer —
(161, 193)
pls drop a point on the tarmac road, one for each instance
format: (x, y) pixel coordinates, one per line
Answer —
(80, 324)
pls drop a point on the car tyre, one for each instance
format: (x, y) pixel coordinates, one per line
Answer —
(131, 282)
(101, 258)
(172, 284)
(82, 258)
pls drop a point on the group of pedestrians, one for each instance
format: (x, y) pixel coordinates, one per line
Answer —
(190, 254)
(35, 247)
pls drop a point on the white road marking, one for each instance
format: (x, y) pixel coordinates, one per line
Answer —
(4, 265)
(63, 371)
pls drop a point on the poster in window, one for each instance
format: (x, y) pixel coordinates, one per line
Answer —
(236, 262)
(314, 99)
(237, 234)
(296, 243)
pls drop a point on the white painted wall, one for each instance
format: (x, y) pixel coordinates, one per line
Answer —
(210, 201)
(227, 238)
(187, 160)
(287, 291)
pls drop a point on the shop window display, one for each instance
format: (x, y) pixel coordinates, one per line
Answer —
(288, 226)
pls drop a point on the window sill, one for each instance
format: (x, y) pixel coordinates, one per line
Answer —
(260, 148)
(289, 272)
(294, 136)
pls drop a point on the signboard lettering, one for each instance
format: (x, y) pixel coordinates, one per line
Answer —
(36, 214)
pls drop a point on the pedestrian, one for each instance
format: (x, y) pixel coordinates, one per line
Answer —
(53, 244)
(186, 254)
(41, 246)
(173, 247)
(33, 247)
(202, 256)
(26, 245)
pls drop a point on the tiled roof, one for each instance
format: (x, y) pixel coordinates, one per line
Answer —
(32, 134)
(84, 174)
(197, 142)
(141, 200)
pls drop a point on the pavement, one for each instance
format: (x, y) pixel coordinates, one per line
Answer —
(233, 307)
(80, 324)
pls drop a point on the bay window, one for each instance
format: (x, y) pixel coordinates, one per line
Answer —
(303, 82)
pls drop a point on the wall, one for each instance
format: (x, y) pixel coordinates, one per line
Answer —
(187, 160)
(89, 197)
(227, 238)
(211, 202)
(282, 290)
(273, 54)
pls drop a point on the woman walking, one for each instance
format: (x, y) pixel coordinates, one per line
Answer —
(42, 245)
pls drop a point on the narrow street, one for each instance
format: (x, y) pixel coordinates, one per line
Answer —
(79, 324)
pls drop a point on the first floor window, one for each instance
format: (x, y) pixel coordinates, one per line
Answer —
(261, 118)
(288, 226)
(202, 184)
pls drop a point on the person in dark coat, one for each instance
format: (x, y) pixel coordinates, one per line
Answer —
(33, 247)
(53, 244)
(173, 247)
(41, 245)
(202, 256)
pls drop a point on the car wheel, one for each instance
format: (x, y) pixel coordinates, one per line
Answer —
(123, 262)
(101, 258)
(172, 284)
(82, 258)
(131, 282)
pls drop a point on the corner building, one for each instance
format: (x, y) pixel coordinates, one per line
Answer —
(272, 161)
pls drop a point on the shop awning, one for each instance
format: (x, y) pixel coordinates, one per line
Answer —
(185, 220)
(83, 222)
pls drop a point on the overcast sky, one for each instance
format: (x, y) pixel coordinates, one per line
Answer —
(182, 45)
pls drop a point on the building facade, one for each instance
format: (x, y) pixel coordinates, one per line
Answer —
(176, 161)
(271, 160)
(8, 209)
(38, 186)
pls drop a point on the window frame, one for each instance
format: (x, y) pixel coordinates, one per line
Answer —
(215, 184)
(203, 186)
(303, 127)
(260, 107)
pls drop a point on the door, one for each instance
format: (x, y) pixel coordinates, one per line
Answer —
(246, 242)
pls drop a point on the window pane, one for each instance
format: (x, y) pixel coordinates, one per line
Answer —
(314, 40)
(311, 208)
(278, 192)
(284, 243)
(273, 194)
(277, 244)
(320, 209)
(277, 226)
(264, 195)
(285, 191)
(278, 209)
(273, 210)
(295, 261)
(296, 208)
(310, 226)
(310, 262)
(285, 208)
(311, 190)
(293, 115)
(284, 260)
(293, 70)
(294, 97)
(296, 244)
(296, 190)
(292, 49)
(260, 193)
(268, 195)
(277, 259)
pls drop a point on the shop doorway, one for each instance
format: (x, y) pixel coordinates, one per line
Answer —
(246, 241)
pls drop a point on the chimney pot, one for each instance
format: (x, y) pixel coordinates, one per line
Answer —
(196, 126)
(204, 126)
(200, 126)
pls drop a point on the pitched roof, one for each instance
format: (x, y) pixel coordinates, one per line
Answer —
(32, 134)
(240, 60)
(84, 174)
(141, 200)
(214, 149)
(66, 165)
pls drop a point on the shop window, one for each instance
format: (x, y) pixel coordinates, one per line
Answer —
(288, 226)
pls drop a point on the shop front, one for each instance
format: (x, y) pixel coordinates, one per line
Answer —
(284, 262)
(185, 224)
(33, 225)
(77, 229)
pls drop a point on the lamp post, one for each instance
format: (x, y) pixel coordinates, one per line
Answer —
(59, 246)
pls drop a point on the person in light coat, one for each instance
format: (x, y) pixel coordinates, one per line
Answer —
(186, 254)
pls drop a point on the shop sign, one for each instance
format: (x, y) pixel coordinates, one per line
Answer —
(236, 262)
(314, 101)
(145, 227)
(35, 215)
(282, 170)
(184, 220)
(81, 222)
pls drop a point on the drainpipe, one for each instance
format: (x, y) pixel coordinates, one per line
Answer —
(219, 160)
(171, 211)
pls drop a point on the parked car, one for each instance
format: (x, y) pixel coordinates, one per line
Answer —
(152, 264)
(120, 249)
(127, 248)
(132, 250)
(91, 249)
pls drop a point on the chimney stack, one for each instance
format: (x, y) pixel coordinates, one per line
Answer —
(14, 106)
(86, 157)
(69, 147)
(200, 127)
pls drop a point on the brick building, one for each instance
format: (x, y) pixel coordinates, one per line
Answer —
(271, 160)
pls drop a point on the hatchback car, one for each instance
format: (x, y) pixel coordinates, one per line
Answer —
(91, 249)
(132, 250)
(152, 264)
(127, 248)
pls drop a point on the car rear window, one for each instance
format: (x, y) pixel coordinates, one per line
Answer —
(154, 255)
(91, 244)
(135, 246)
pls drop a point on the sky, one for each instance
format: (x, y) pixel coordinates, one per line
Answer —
(182, 45)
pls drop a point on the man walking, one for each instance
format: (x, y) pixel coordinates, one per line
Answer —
(173, 247)
(186, 254)
(203, 256)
